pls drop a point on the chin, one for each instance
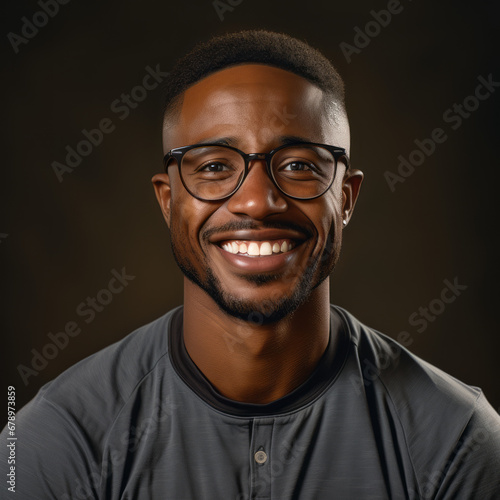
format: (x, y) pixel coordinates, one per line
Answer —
(269, 297)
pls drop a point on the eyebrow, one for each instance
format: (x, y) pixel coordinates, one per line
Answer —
(233, 141)
(294, 139)
(223, 141)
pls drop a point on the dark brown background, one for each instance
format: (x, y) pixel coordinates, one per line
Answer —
(65, 238)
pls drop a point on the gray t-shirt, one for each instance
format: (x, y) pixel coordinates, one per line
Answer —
(138, 420)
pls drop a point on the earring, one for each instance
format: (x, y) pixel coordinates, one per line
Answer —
(344, 222)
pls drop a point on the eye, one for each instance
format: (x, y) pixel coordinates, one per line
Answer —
(213, 167)
(297, 166)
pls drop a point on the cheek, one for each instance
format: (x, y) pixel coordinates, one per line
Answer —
(328, 223)
(188, 216)
(329, 215)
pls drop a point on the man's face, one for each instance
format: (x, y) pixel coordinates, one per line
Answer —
(254, 108)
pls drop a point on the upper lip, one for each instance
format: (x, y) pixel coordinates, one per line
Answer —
(258, 235)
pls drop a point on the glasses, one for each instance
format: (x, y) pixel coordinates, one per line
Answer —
(213, 172)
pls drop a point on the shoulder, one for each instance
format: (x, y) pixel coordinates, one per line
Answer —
(96, 388)
(406, 377)
(66, 427)
(438, 416)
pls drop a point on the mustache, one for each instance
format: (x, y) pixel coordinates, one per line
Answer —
(252, 225)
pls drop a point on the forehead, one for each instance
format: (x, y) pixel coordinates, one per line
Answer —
(254, 103)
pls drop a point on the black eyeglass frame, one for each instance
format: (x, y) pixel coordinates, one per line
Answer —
(178, 153)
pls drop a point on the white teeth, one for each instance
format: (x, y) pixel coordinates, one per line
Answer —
(256, 248)
(265, 248)
(253, 249)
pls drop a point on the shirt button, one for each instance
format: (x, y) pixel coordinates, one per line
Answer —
(260, 457)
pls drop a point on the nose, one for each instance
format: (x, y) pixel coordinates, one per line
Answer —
(258, 197)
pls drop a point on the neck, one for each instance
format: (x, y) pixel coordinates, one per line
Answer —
(255, 363)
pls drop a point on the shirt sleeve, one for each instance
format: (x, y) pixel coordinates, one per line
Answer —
(53, 457)
(473, 469)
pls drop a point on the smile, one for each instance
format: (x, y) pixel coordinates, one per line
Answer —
(266, 250)
(257, 248)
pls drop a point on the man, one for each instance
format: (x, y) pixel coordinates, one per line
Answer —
(257, 388)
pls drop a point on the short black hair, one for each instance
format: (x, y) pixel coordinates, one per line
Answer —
(253, 46)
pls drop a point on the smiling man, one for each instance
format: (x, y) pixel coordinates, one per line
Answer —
(257, 387)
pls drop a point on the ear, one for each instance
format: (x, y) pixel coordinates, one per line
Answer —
(350, 190)
(161, 183)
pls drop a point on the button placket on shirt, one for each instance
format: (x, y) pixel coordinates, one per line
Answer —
(260, 458)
